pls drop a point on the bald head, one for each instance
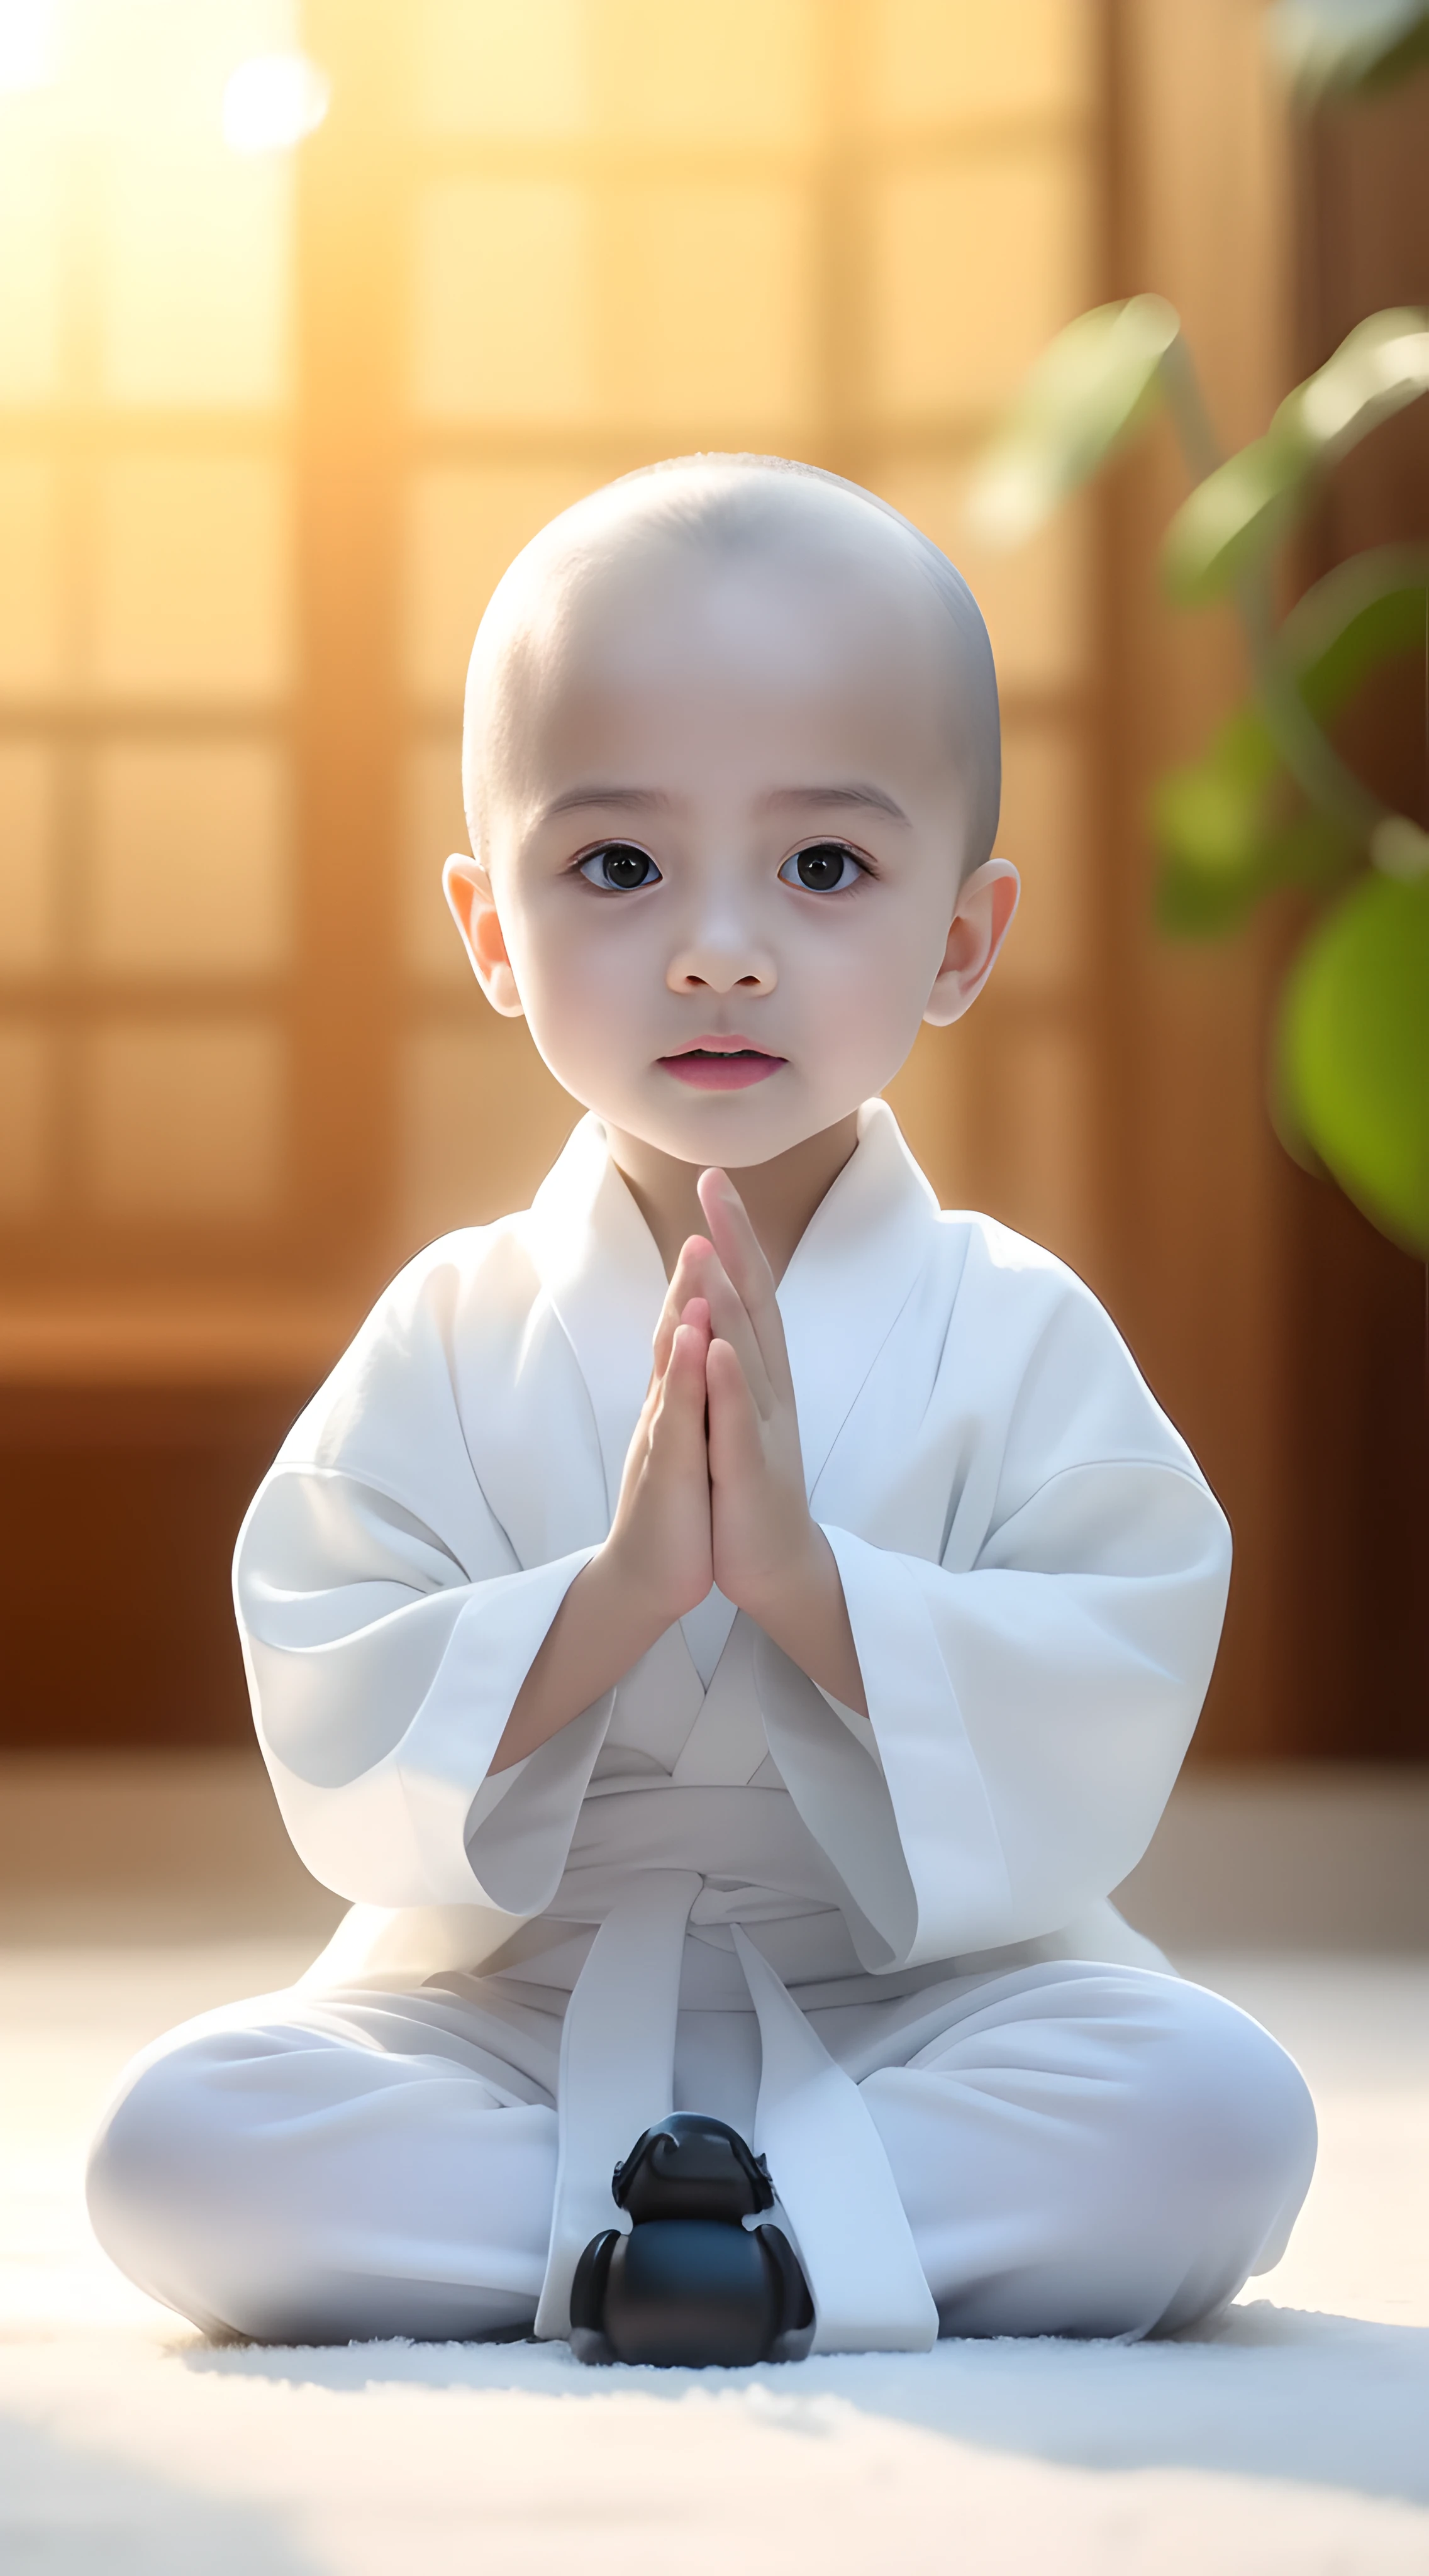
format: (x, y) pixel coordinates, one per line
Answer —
(711, 517)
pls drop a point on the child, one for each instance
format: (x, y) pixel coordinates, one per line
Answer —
(760, 1737)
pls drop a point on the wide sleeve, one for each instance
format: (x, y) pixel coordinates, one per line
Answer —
(1032, 1692)
(387, 1626)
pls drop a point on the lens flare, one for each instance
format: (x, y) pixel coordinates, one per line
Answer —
(272, 101)
(29, 44)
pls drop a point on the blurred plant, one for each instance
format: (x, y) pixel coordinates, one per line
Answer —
(1347, 48)
(1271, 802)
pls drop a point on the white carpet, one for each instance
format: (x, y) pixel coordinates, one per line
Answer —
(1293, 2438)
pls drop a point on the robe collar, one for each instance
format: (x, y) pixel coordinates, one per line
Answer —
(853, 1270)
(599, 1266)
(851, 1274)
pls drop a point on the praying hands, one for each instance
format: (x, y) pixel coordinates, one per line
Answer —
(712, 1493)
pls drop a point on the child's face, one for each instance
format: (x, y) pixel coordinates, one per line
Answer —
(725, 822)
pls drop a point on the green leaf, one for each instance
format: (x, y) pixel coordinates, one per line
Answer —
(1223, 833)
(1243, 510)
(1090, 390)
(1239, 514)
(1334, 47)
(1313, 850)
(1363, 613)
(1210, 814)
(1223, 843)
(1381, 366)
(1354, 1052)
(1400, 848)
(1192, 903)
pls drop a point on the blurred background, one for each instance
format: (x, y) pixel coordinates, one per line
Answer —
(309, 317)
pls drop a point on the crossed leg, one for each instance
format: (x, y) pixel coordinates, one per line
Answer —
(1081, 2150)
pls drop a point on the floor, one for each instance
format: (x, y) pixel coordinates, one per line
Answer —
(1294, 2436)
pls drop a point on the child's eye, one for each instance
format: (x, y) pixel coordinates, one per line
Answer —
(825, 867)
(618, 868)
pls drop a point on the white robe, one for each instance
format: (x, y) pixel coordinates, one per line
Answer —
(1035, 1573)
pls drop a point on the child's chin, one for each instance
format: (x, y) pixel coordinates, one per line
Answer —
(733, 1127)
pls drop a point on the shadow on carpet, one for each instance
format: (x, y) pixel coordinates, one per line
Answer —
(64, 2505)
(1265, 2392)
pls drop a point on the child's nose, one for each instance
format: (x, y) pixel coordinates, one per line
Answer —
(719, 961)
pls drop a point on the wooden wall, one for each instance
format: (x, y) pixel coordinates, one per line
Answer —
(1358, 1475)
(535, 245)
(1287, 1338)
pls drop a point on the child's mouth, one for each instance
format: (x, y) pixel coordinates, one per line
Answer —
(722, 1068)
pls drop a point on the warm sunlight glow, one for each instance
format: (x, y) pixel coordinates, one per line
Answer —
(271, 102)
(603, 234)
(28, 43)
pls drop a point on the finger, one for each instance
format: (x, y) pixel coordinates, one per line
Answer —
(677, 1429)
(731, 1321)
(696, 1320)
(746, 1264)
(736, 1451)
(688, 1344)
(699, 1272)
(685, 1282)
(685, 1376)
(734, 1238)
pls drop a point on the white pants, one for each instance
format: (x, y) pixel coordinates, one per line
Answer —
(1080, 2150)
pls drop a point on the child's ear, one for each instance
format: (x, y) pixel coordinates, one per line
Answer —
(981, 920)
(467, 888)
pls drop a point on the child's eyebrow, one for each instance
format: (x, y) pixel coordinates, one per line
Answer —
(643, 797)
(858, 792)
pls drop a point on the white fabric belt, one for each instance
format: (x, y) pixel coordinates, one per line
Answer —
(826, 2159)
